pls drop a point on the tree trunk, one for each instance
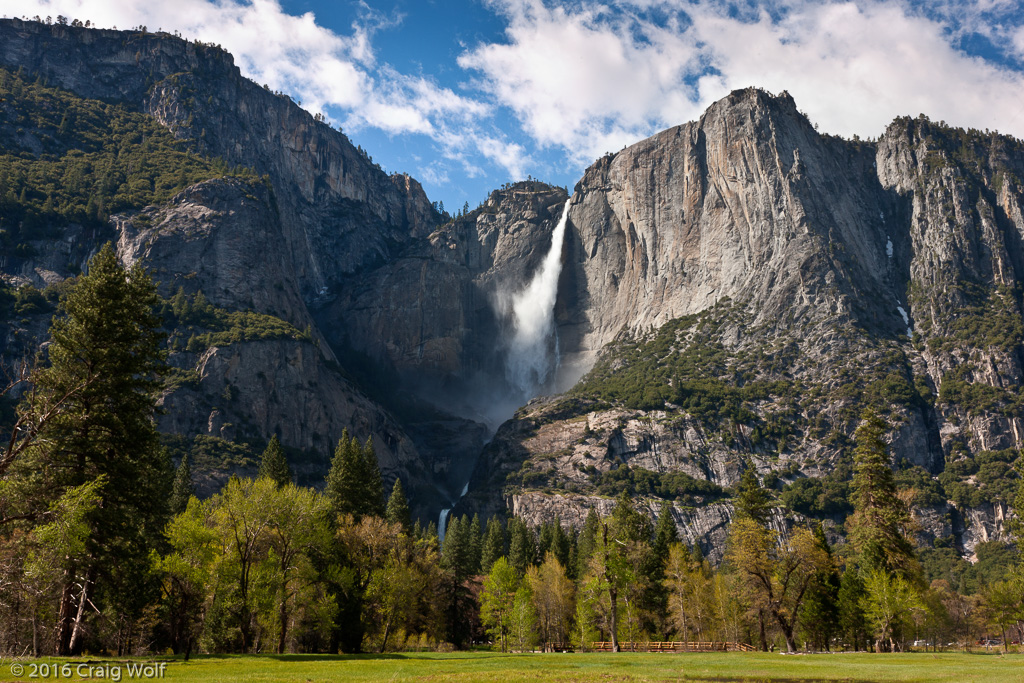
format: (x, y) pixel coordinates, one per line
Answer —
(387, 632)
(614, 596)
(761, 634)
(283, 614)
(65, 611)
(35, 629)
(76, 629)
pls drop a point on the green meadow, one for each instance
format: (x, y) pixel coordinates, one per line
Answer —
(506, 668)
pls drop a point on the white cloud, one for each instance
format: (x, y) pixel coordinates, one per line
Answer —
(855, 66)
(588, 76)
(591, 76)
(581, 81)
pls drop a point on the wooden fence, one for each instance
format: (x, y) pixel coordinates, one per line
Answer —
(657, 646)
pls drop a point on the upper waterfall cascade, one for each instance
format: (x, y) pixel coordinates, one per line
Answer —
(533, 350)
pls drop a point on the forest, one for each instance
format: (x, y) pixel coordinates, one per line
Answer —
(104, 548)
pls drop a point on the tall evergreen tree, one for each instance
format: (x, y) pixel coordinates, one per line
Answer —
(372, 480)
(106, 343)
(476, 543)
(853, 622)
(561, 544)
(494, 544)
(819, 617)
(397, 511)
(665, 534)
(752, 500)
(588, 540)
(273, 464)
(522, 546)
(183, 487)
(455, 550)
(342, 489)
(880, 518)
(354, 484)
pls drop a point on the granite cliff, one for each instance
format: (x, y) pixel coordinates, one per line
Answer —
(733, 292)
(744, 287)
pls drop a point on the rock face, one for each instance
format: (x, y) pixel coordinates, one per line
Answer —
(274, 247)
(738, 287)
(825, 273)
(327, 242)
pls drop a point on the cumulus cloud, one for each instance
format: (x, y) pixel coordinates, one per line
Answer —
(582, 78)
(586, 77)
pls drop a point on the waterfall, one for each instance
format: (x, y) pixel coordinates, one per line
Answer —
(532, 351)
(442, 520)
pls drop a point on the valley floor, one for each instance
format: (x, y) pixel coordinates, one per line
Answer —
(487, 666)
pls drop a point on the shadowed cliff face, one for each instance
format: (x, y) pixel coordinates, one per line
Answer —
(323, 213)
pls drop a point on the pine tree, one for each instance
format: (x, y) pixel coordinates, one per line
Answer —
(877, 525)
(561, 544)
(398, 507)
(106, 351)
(665, 534)
(374, 483)
(752, 500)
(455, 548)
(273, 464)
(522, 547)
(475, 549)
(819, 617)
(850, 599)
(354, 485)
(587, 542)
(494, 544)
(342, 489)
(182, 489)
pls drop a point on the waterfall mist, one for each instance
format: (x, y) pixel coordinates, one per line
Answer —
(532, 354)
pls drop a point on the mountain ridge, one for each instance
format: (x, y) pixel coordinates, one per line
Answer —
(737, 288)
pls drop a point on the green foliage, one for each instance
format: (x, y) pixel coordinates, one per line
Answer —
(978, 398)
(820, 496)
(397, 510)
(819, 616)
(880, 517)
(989, 319)
(497, 600)
(752, 500)
(354, 484)
(927, 492)
(985, 477)
(101, 380)
(493, 545)
(681, 363)
(183, 488)
(66, 159)
(853, 622)
(206, 325)
(638, 481)
(210, 453)
(522, 545)
(273, 464)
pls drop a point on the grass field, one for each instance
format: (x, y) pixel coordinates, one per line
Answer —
(485, 666)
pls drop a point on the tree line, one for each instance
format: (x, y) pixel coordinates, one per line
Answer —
(104, 548)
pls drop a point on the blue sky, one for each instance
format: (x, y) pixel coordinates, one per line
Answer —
(466, 95)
